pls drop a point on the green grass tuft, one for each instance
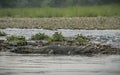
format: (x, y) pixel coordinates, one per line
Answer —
(39, 36)
(19, 40)
(81, 39)
(58, 37)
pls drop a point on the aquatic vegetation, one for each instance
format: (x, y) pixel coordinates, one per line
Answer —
(58, 37)
(49, 40)
(2, 33)
(19, 40)
(39, 36)
(81, 39)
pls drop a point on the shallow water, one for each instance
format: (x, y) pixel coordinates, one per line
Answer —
(104, 36)
(16, 64)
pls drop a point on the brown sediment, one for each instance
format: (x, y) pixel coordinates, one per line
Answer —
(62, 23)
(58, 48)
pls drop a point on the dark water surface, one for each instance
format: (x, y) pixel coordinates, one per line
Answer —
(16, 64)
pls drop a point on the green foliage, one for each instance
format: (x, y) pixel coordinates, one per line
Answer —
(2, 33)
(88, 11)
(8, 3)
(53, 3)
(58, 36)
(49, 40)
(19, 40)
(80, 38)
(39, 36)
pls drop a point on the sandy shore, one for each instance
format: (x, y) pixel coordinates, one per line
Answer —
(61, 22)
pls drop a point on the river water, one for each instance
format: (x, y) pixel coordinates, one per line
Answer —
(34, 64)
(17, 64)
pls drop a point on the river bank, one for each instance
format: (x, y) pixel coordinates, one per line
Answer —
(105, 43)
(57, 49)
(62, 23)
(104, 36)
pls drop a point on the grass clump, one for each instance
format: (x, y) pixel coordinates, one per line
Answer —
(19, 40)
(39, 36)
(58, 37)
(81, 39)
(2, 33)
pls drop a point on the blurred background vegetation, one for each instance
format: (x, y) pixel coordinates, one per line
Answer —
(59, 8)
(53, 3)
